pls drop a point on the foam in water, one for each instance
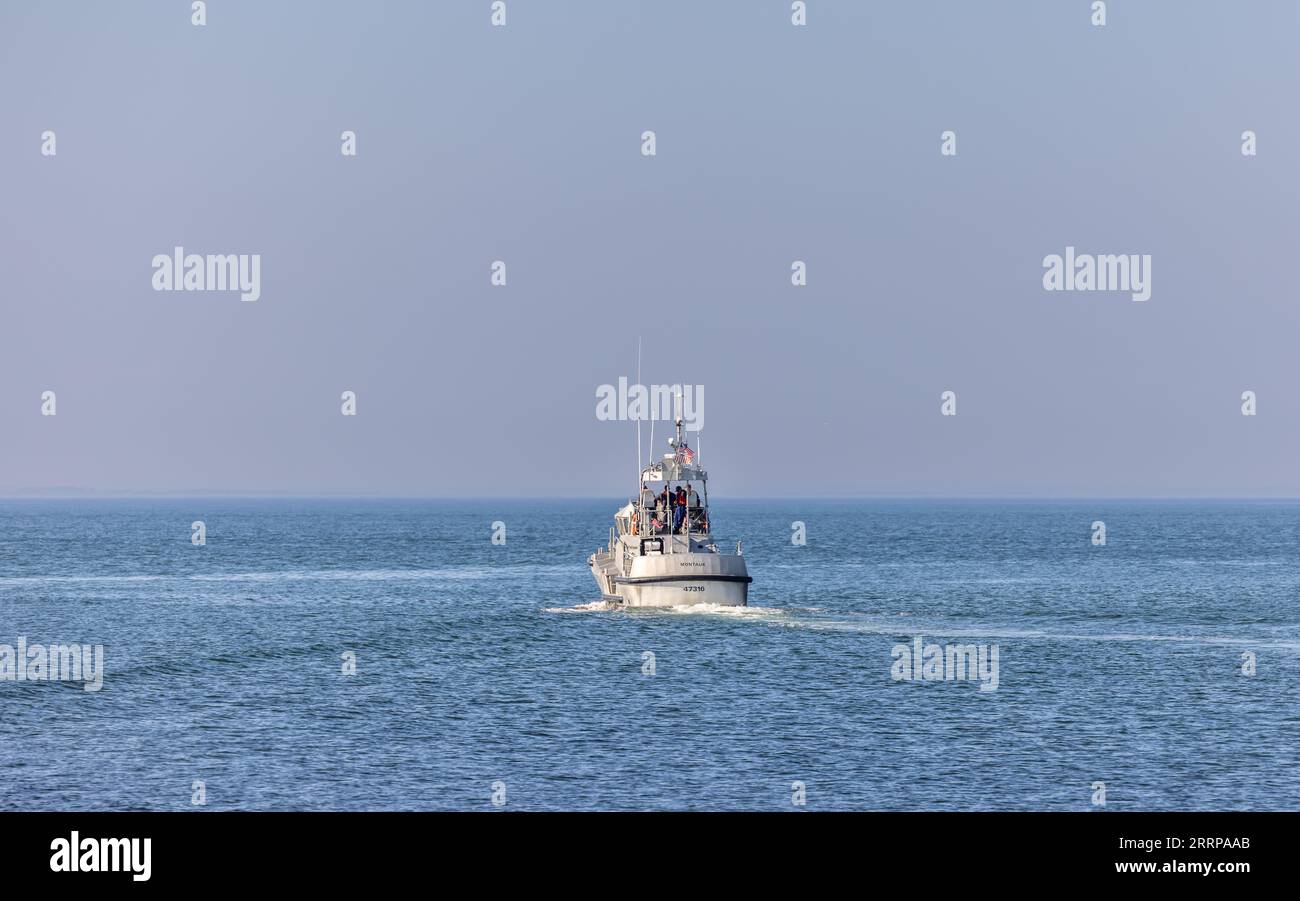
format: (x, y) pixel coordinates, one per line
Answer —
(1002, 632)
(593, 607)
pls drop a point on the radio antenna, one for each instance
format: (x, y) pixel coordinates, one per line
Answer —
(639, 458)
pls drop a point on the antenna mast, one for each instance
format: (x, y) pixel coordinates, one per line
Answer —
(639, 458)
(679, 419)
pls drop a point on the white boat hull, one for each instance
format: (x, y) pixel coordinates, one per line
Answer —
(673, 579)
(685, 593)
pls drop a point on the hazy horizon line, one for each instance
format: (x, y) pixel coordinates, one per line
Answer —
(73, 494)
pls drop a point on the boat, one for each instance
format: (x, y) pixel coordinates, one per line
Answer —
(663, 555)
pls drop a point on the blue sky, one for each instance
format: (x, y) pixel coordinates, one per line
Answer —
(774, 144)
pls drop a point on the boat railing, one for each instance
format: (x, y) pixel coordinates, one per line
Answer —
(653, 522)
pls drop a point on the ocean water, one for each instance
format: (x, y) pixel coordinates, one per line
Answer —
(479, 663)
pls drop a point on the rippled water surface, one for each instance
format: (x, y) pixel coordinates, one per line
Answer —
(478, 663)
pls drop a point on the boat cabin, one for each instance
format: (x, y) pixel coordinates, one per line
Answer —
(673, 504)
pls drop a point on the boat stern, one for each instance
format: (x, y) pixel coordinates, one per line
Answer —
(676, 580)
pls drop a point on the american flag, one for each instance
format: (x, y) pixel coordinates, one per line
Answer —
(685, 454)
